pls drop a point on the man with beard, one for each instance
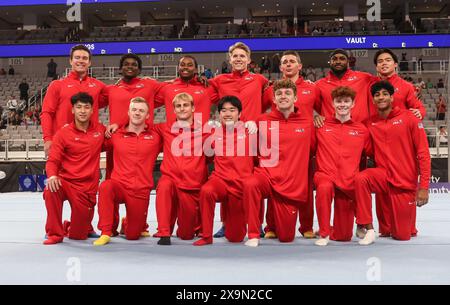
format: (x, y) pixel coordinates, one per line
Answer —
(187, 83)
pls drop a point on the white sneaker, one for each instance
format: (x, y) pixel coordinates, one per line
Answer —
(369, 238)
(254, 242)
(322, 242)
(361, 232)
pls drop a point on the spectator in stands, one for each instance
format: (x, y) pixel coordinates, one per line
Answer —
(441, 108)
(225, 68)
(311, 74)
(208, 73)
(16, 120)
(276, 61)
(443, 136)
(23, 88)
(440, 83)
(352, 62)
(37, 115)
(404, 63)
(2, 71)
(12, 103)
(421, 83)
(251, 66)
(420, 63)
(28, 121)
(11, 71)
(51, 69)
(430, 84)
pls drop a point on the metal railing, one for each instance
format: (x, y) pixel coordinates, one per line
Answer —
(156, 72)
(426, 66)
(438, 143)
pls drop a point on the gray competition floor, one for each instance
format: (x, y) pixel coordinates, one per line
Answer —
(24, 260)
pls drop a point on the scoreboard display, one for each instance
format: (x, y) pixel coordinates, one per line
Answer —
(221, 45)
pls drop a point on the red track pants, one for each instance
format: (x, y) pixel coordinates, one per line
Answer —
(215, 190)
(82, 206)
(344, 209)
(174, 204)
(256, 188)
(399, 208)
(111, 194)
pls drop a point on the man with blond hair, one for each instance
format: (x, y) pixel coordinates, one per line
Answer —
(183, 172)
(246, 86)
(136, 148)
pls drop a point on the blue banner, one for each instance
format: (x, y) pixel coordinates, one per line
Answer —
(221, 45)
(63, 2)
(27, 183)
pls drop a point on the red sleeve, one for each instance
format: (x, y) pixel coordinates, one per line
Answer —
(159, 94)
(267, 101)
(313, 141)
(423, 152)
(49, 107)
(53, 164)
(103, 99)
(317, 101)
(413, 102)
(368, 146)
(214, 90)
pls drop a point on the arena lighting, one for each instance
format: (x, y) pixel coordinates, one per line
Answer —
(63, 2)
(221, 45)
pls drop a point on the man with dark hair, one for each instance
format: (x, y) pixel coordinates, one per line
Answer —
(307, 100)
(136, 147)
(56, 108)
(73, 172)
(51, 69)
(118, 98)
(23, 88)
(341, 75)
(401, 153)
(187, 82)
(386, 63)
(404, 97)
(282, 174)
(340, 145)
(233, 164)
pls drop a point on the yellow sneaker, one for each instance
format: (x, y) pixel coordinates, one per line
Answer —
(145, 234)
(270, 235)
(309, 235)
(103, 240)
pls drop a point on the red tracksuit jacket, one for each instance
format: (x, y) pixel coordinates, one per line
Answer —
(75, 156)
(358, 81)
(307, 98)
(119, 97)
(248, 87)
(233, 165)
(134, 159)
(401, 147)
(339, 150)
(203, 98)
(184, 161)
(404, 96)
(57, 108)
(289, 177)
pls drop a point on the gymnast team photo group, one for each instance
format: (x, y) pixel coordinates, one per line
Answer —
(347, 136)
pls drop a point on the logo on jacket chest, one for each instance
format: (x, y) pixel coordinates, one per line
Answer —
(397, 122)
(306, 92)
(97, 134)
(352, 78)
(150, 137)
(299, 130)
(354, 133)
(92, 85)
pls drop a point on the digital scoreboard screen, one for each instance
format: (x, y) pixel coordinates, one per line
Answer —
(221, 45)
